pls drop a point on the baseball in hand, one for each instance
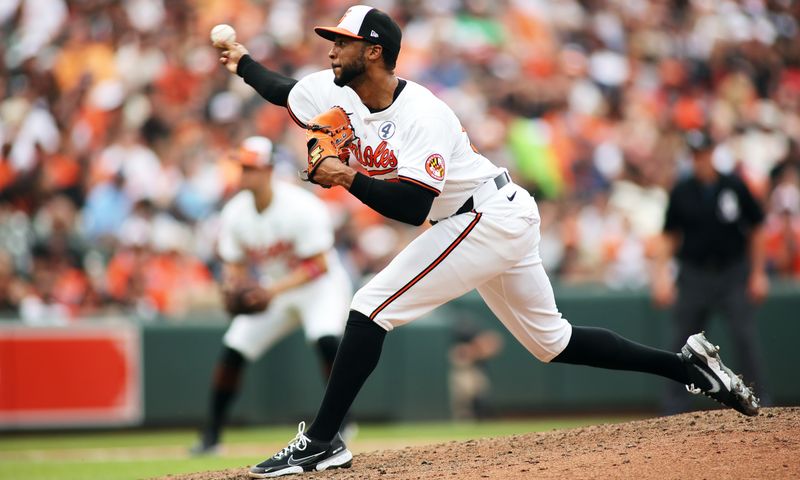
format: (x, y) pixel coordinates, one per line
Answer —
(222, 35)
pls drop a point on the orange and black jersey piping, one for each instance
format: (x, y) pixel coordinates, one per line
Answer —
(416, 182)
(437, 261)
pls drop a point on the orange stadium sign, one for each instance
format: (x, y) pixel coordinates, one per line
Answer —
(71, 376)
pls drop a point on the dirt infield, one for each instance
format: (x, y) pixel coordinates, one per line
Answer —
(714, 444)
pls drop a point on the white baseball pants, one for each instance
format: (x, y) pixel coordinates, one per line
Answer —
(494, 249)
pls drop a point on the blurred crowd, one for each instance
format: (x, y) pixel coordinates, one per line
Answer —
(117, 123)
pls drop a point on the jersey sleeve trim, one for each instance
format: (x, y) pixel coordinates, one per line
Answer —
(294, 117)
(435, 191)
(373, 173)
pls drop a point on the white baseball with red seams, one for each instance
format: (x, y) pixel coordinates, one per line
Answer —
(222, 35)
(494, 248)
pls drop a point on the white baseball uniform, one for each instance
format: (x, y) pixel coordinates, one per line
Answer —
(296, 225)
(494, 248)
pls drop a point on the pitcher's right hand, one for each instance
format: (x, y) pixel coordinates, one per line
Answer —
(231, 55)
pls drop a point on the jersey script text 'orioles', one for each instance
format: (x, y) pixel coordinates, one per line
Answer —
(417, 139)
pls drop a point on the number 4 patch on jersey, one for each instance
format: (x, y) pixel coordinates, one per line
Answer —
(386, 130)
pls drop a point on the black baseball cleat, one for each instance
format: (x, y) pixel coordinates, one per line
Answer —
(715, 379)
(304, 455)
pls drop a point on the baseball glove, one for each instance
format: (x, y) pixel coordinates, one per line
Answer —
(246, 298)
(327, 135)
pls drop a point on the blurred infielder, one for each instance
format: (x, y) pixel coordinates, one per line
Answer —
(280, 271)
(418, 164)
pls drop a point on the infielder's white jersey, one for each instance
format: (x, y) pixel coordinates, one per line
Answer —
(296, 225)
(417, 139)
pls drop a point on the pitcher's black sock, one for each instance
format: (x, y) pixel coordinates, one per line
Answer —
(327, 347)
(598, 347)
(357, 357)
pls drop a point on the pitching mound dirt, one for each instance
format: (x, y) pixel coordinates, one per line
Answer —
(713, 445)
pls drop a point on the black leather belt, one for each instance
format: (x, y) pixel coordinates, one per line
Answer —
(500, 181)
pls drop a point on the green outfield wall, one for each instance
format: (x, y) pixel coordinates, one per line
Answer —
(410, 383)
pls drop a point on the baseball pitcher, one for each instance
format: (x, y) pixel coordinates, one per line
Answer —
(416, 163)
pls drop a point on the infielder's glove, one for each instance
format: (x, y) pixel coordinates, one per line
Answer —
(244, 299)
(327, 136)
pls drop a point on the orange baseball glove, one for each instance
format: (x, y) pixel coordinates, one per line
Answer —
(327, 135)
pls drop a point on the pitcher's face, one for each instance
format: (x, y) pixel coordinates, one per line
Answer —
(348, 59)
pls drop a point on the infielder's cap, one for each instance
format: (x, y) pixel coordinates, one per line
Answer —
(368, 24)
(256, 152)
(699, 140)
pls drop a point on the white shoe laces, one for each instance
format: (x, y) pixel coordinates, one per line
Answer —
(299, 443)
(692, 389)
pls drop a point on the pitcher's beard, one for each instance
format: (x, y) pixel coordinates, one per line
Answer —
(350, 73)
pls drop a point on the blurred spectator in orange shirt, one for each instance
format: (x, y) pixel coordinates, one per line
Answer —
(60, 291)
(83, 56)
(783, 224)
(153, 273)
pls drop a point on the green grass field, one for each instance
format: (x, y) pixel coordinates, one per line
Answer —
(148, 453)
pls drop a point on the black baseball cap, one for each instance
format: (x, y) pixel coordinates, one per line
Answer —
(368, 24)
(699, 140)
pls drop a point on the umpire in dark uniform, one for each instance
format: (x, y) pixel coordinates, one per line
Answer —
(714, 226)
